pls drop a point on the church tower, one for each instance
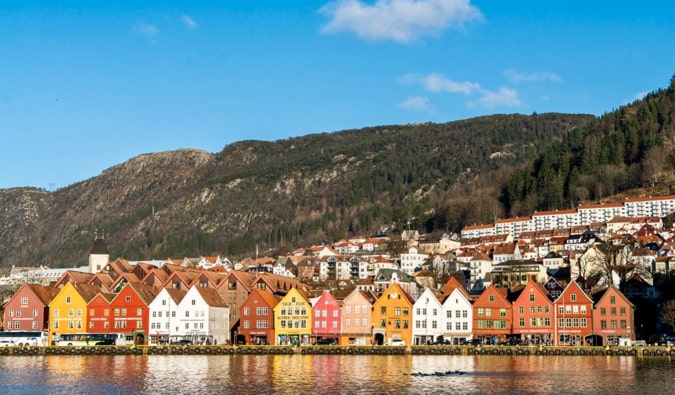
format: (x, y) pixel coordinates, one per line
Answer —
(98, 256)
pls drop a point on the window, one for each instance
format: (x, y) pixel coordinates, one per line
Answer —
(491, 298)
(603, 311)
(612, 311)
(194, 302)
(521, 310)
(35, 324)
(397, 311)
(127, 298)
(383, 310)
(623, 324)
(481, 312)
(521, 321)
(531, 309)
(139, 312)
(56, 312)
(68, 299)
(124, 311)
(448, 314)
(573, 297)
(139, 324)
(502, 312)
(465, 326)
(561, 309)
(612, 299)
(531, 297)
(35, 312)
(457, 313)
(71, 312)
(465, 314)
(24, 300)
(245, 310)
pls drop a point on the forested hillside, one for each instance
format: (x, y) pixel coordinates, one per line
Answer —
(280, 194)
(627, 151)
(322, 187)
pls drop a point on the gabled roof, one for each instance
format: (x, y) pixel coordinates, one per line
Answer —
(176, 294)
(74, 277)
(87, 292)
(212, 297)
(145, 292)
(270, 299)
(453, 284)
(43, 293)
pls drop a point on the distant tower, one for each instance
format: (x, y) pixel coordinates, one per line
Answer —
(98, 256)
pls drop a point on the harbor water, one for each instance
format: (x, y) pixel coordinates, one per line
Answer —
(335, 374)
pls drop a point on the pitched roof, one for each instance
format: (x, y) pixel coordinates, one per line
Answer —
(212, 297)
(43, 293)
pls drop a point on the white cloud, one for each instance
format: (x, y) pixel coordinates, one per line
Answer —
(416, 103)
(398, 20)
(146, 29)
(188, 22)
(436, 82)
(505, 97)
(517, 77)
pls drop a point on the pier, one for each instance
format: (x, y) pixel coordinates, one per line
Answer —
(642, 351)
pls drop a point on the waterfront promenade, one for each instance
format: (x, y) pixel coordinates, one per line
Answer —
(642, 351)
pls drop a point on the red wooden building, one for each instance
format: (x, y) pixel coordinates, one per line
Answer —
(573, 317)
(131, 313)
(533, 315)
(613, 317)
(492, 315)
(257, 318)
(28, 309)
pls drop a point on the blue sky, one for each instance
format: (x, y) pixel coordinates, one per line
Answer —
(85, 86)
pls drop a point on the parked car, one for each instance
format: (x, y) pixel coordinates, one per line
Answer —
(472, 342)
(325, 342)
(105, 343)
(396, 342)
(182, 342)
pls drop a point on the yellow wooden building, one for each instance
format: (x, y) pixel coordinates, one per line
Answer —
(293, 319)
(392, 316)
(68, 310)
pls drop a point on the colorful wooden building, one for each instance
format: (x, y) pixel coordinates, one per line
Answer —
(573, 317)
(327, 321)
(613, 317)
(533, 315)
(492, 315)
(392, 316)
(293, 319)
(28, 308)
(257, 318)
